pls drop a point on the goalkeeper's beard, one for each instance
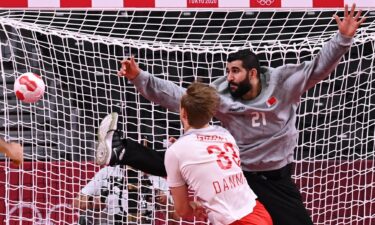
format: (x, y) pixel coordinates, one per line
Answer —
(242, 87)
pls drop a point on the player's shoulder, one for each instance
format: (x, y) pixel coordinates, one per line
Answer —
(221, 130)
(105, 170)
(181, 142)
(173, 151)
(111, 171)
(270, 74)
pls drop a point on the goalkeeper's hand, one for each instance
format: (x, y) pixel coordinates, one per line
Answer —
(129, 69)
(350, 23)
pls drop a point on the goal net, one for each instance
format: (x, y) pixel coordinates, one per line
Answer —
(77, 53)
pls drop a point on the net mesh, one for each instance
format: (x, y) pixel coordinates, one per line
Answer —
(77, 53)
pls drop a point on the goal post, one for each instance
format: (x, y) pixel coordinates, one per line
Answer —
(77, 53)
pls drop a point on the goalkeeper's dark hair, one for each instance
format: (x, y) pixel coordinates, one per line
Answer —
(249, 59)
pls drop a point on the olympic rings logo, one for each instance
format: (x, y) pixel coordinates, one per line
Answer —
(39, 220)
(266, 2)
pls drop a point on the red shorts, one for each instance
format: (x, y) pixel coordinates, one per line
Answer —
(259, 216)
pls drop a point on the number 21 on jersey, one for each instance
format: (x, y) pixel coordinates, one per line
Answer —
(258, 119)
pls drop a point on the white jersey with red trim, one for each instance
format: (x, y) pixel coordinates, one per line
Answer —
(207, 160)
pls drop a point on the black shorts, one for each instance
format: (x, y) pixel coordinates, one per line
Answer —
(280, 195)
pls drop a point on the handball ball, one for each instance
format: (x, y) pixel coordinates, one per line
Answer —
(29, 87)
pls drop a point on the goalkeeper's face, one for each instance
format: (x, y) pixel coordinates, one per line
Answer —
(238, 79)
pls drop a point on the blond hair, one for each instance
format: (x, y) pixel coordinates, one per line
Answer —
(200, 103)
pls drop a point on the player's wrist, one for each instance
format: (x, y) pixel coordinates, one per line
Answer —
(136, 74)
(141, 77)
(344, 39)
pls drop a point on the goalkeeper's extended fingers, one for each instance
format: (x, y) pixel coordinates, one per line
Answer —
(362, 20)
(337, 18)
(346, 11)
(132, 61)
(358, 15)
(352, 10)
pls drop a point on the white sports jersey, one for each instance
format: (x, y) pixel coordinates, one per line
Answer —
(207, 160)
(111, 180)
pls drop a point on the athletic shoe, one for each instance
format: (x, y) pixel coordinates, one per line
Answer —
(105, 154)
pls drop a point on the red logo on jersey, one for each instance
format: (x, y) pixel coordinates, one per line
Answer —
(271, 101)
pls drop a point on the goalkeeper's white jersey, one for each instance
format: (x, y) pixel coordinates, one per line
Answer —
(207, 160)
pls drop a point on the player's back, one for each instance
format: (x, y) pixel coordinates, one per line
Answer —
(209, 162)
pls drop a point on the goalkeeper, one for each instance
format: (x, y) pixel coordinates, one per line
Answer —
(258, 106)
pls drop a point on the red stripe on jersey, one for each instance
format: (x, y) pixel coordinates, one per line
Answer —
(265, 3)
(75, 3)
(202, 3)
(14, 3)
(328, 3)
(139, 3)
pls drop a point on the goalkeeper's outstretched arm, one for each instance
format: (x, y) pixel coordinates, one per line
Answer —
(159, 91)
(298, 78)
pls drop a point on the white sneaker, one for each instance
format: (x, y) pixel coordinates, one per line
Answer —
(104, 151)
